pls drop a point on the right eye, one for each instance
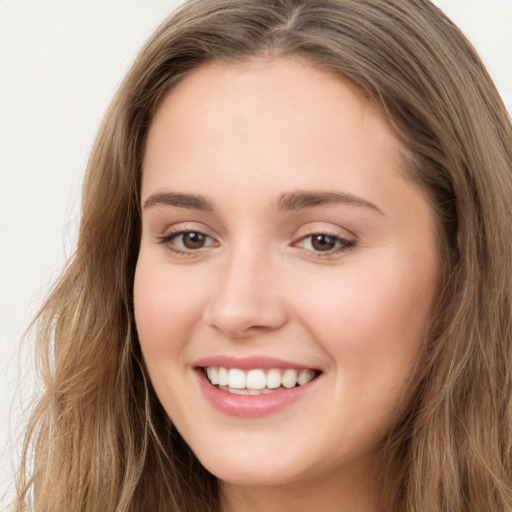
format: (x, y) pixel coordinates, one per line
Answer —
(187, 242)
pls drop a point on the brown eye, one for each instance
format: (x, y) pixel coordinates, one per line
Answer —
(187, 242)
(193, 240)
(323, 242)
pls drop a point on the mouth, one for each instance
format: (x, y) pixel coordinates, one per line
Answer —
(258, 381)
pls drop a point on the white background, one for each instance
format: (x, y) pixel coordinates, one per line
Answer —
(60, 63)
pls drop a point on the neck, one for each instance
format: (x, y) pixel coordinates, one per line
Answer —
(353, 491)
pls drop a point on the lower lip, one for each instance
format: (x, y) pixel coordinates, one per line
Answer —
(250, 406)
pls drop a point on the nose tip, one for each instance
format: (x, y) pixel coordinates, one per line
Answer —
(246, 302)
(238, 322)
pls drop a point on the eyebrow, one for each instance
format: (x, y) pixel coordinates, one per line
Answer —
(292, 201)
(304, 200)
(190, 201)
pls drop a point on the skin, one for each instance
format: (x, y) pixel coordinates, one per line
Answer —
(241, 136)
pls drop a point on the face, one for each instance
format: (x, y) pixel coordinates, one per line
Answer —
(286, 275)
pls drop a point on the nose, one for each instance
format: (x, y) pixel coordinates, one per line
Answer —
(247, 299)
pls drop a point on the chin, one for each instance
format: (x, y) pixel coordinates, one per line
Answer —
(253, 473)
(260, 465)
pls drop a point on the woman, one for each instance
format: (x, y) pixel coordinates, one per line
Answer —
(292, 283)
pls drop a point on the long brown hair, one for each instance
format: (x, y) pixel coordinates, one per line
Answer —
(98, 438)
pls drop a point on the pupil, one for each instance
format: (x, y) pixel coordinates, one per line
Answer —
(323, 242)
(193, 240)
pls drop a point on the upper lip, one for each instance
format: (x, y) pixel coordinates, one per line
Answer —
(249, 363)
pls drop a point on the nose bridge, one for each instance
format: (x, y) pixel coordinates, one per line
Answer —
(247, 297)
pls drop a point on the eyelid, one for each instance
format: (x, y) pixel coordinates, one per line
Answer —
(187, 227)
(343, 243)
(175, 231)
(177, 234)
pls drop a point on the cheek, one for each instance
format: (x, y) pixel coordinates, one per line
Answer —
(167, 307)
(371, 315)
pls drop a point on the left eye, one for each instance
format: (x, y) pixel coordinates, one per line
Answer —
(322, 242)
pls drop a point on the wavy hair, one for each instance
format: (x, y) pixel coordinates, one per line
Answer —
(98, 438)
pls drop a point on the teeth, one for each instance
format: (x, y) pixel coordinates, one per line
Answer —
(237, 391)
(289, 378)
(273, 379)
(223, 377)
(256, 381)
(213, 375)
(236, 378)
(304, 377)
(245, 391)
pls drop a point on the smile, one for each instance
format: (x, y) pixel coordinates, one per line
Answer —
(257, 381)
(254, 386)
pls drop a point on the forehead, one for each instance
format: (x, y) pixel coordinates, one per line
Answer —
(268, 84)
(276, 113)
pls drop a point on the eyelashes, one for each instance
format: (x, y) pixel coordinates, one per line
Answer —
(187, 243)
(192, 243)
(188, 240)
(323, 243)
